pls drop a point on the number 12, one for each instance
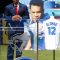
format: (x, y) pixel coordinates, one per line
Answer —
(51, 30)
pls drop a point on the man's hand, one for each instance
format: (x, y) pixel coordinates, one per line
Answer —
(16, 17)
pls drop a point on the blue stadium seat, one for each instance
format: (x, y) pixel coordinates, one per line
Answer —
(57, 5)
(49, 4)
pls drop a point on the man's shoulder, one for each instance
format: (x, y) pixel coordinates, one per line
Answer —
(45, 16)
(22, 5)
(9, 5)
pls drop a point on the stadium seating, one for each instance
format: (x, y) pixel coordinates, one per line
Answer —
(49, 4)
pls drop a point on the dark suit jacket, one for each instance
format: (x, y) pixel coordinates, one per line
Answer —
(10, 11)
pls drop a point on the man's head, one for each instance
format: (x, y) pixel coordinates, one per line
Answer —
(36, 9)
(15, 1)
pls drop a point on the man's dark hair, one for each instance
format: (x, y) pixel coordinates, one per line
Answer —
(37, 3)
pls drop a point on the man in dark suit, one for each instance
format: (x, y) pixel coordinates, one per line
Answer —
(10, 11)
(14, 13)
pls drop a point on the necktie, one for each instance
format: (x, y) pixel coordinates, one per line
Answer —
(16, 8)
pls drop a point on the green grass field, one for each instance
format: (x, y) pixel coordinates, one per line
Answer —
(42, 54)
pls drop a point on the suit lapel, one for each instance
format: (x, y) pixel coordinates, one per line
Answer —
(12, 9)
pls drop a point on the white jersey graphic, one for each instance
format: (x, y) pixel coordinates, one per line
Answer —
(51, 31)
